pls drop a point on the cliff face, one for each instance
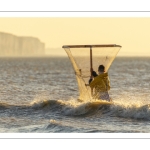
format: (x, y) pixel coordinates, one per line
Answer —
(11, 45)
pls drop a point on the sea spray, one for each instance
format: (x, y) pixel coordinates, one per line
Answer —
(131, 109)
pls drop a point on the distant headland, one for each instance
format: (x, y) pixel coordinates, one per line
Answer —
(11, 45)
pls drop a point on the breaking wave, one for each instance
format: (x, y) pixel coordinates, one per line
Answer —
(75, 108)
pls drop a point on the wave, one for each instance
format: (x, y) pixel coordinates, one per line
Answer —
(65, 107)
(116, 109)
(35, 104)
(134, 111)
(70, 107)
(39, 104)
(75, 108)
(58, 127)
(4, 105)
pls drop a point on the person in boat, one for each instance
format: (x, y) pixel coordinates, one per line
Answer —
(101, 85)
(94, 74)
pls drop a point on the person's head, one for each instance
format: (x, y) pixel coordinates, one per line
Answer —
(101, 68)
(94, 74)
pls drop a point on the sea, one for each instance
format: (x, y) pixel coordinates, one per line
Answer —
(40, 95)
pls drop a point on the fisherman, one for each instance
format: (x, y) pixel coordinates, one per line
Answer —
(94, 74)
(101, 85)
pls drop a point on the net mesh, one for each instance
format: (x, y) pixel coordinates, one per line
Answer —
(80, 59)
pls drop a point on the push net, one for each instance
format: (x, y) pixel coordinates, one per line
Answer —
(85, 58)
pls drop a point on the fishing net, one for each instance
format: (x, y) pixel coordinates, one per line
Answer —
(83, 56)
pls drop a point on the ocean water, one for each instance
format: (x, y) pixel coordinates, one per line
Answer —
(39, 95)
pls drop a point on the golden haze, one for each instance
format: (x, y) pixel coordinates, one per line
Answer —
(132, 34)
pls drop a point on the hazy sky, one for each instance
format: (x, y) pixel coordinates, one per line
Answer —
(133, 34)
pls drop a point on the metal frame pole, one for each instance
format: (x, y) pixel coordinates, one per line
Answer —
(91, 61)
(91, 66)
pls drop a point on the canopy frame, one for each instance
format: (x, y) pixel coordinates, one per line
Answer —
(89, 46)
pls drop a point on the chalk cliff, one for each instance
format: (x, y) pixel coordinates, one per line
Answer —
(11, 45)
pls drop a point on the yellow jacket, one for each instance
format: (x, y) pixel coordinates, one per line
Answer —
(101, 83)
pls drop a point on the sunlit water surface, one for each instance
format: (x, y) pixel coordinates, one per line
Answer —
(40, 95)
